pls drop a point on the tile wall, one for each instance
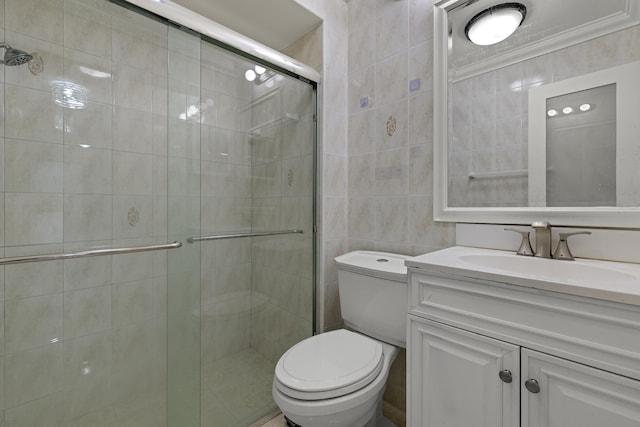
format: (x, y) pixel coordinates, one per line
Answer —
(83, 341)
(490, 116)
(325, 49)
(183, 146)
(225, 186)
(281, 145)
(390, 109)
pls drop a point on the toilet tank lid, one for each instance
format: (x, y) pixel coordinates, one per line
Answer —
(384, 265)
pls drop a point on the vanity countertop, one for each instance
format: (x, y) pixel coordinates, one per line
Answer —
(605, 280)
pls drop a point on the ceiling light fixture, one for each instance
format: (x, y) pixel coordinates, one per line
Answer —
(495, 24)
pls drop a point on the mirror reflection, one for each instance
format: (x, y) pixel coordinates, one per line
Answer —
(489, 128)
(581, 148)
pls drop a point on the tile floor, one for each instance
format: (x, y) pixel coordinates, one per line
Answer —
(237, 390)
(277, 420)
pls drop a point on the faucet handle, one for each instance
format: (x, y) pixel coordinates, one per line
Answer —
(525, 245)
(562, 251)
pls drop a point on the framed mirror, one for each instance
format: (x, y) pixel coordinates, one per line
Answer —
(499, 156)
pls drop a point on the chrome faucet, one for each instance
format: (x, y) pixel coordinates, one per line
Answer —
(543, 242)
(543, 239)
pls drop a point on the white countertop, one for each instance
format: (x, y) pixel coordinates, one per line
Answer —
(605, 280)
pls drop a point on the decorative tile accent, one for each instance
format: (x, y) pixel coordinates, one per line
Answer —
(414, 85)
(391, 125)
(133, 216)
(36, 65)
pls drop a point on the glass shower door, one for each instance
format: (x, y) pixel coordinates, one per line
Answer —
(183, 222)
(257, 187)
(127, 132)
(241, 141)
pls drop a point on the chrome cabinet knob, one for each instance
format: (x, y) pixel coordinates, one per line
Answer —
(532, 385)
(505, 376)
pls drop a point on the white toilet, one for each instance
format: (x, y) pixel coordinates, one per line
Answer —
(337, 379)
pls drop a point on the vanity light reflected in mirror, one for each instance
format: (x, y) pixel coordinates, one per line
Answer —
(495, 24)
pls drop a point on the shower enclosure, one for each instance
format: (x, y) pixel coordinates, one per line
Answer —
(156, 221)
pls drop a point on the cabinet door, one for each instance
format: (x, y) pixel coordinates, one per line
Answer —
(574, 395)
(454, 378)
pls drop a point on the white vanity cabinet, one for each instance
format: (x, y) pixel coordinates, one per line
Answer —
(484, 353)
(454, 378)
(572, 394)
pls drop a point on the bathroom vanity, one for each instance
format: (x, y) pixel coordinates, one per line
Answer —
(500, 340)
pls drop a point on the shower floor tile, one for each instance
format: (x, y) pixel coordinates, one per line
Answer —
(236, 390)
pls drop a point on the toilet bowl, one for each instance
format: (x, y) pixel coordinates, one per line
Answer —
(338, 378)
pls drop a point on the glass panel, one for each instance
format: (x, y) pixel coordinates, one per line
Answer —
(83, 341)
(123, 131)
(184, 206)
(257, 175)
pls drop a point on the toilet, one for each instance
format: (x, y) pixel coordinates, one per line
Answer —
(338, 378)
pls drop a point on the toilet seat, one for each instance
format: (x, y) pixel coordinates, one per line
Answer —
(329, 365)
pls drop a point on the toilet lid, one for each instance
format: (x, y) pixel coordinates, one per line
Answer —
(329, 365)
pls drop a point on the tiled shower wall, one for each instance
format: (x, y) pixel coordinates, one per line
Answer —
(257, 175)
(83, 342)
(281, 145)
(226, 205)
(490, 117)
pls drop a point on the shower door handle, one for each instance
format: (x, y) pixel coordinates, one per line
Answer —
(239, 235)
(88, 253)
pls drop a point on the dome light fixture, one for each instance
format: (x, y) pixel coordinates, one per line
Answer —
(495, 24)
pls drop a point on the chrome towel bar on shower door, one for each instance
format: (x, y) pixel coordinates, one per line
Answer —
(88, 253)
(238, 235)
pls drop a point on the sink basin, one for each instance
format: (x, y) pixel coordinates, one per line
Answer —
(607, 280)
(548, 269)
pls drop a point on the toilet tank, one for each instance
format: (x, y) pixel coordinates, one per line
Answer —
(373, 294)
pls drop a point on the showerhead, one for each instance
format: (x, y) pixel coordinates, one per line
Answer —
(14, 56)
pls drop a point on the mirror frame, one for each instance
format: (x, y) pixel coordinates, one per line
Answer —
(606, 217)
